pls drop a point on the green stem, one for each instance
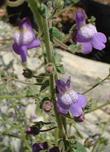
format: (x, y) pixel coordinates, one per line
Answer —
(11, 97)
(47, 40)
(17, 97)
(43, 23)
(36, 13)
(52, 78)
(10, 135)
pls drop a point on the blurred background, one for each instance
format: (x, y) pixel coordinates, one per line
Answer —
(84, 74)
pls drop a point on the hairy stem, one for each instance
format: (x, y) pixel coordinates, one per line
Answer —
(36, 13)
(52, 78)
(43, 26)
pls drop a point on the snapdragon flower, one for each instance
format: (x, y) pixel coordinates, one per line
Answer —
(70, 101)
(25, 39)
(87, 35)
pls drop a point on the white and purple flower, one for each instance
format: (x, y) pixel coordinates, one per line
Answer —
(25, 39)
(87, 35)
(70, 101)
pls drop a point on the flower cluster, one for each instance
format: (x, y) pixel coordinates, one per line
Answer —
(70, 101)
(87, 35)
(25, 39)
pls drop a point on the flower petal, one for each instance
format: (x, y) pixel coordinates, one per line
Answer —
(76, 110)
(80, 18)
(82, 100)
(16, 48)
(61, 86)
(62, 103)
(61, 109)
(25, 23)
(24, 37)
(101, 37)
(27, 37)
(21, 50)
(65, 100)
(81, 38)
(35, 43)
(25, 34)
(98, 42)
(86, 47)
(23, 53)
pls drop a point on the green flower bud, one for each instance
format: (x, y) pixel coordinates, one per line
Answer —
(59, 4)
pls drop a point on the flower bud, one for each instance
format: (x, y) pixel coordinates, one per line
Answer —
(49, 68)
(59, 3)
(27, 73)
(47, 105)
(37, 147)
(33, 130)
(2, 12)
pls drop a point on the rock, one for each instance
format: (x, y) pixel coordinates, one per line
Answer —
(85, 73)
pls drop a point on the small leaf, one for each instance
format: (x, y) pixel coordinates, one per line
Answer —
(58, 58)
(74, 48)
(69, 2)
(60, 69)
(79, 147)
(92, 20)
(56, 33)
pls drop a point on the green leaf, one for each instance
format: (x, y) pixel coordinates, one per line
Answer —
(56, 33)
(58, 58)
(69, 2)
(92, 20)
(75, 146)
(74, 48)
(60, 69)
(100, 144)
(79, 147)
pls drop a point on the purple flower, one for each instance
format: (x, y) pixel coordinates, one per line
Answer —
(87, 35)
(68, 100)
(54, 149)
(25, 39)
(37, 147)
